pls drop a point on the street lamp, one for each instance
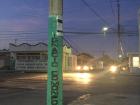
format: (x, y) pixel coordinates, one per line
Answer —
(105, 29)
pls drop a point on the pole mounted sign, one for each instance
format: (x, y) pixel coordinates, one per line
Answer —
(55, 50)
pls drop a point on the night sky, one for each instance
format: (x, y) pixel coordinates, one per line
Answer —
(26, 21)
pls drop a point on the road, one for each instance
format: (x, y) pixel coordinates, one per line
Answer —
(29, 88)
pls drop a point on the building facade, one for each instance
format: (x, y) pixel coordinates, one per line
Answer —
(4, 59)
(69, 60)
(134, 62)
(27, 57)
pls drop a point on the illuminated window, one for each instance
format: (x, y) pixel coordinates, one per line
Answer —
(135, 61)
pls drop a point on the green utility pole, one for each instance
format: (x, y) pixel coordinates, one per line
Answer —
(55, 50)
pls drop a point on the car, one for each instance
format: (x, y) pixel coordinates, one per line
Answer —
(84, 68)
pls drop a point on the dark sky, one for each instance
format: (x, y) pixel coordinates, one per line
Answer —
(27, 20)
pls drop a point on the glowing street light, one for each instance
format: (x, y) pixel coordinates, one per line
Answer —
(105, 29)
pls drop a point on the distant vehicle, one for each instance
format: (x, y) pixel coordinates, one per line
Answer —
(84, 68)
(114, 69)
(124, 68)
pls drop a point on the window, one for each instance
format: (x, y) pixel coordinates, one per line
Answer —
(21, 57)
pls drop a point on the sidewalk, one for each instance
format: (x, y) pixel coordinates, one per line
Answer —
(107, 99)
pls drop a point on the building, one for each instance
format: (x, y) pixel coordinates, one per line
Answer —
(27, 57)
(69, 60)
(85, 59)
(4, 59)
(134, 57)
(134, 62)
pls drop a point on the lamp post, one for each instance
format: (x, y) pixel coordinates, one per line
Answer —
(55, 46)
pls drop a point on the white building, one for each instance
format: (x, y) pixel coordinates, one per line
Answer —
(27, 57)
(69, 60)
(134, 62)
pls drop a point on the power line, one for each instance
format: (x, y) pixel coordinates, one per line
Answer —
(95, 12)
(22, 33)
(69, 42)
(97, 33)
(112, 9)
(72, 34)
(75, 46)
(120, 47)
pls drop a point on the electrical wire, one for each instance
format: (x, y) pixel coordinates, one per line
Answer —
(95, 12)
(112, 9)
(69, 43)
(71, 34)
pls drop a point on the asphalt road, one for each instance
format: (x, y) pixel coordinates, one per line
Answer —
(29, 88)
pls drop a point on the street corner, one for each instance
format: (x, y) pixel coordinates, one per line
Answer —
(107, 99)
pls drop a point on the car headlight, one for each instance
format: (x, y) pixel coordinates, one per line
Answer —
(124, 68)
(91, 68)
(78, 68)
(113, 69)
(85, 67)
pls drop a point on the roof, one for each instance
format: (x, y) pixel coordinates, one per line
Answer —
(4, 51)
(28, 47)
(32, 47)
(28, 44)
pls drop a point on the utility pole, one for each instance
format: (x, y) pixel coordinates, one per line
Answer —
(55, 50)
(119, 31)
(139, 27)
(139, 31)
